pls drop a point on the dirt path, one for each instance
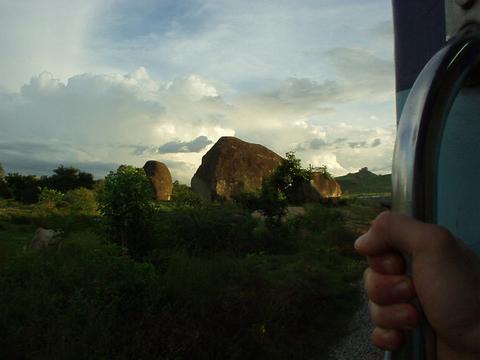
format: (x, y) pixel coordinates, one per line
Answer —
(357, 345)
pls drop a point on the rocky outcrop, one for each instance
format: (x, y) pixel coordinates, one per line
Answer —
(326, 186)
(232, 166)
(160, 178)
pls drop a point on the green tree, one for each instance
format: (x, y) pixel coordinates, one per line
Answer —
(290, 176)
(66, 178)
(324, 171)
(24, 188)
(282, 187)
(126, 202)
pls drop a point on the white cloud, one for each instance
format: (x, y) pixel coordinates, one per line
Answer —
(38, 35)
(131, 118)
(282, 74)
(193, 87)
(364, 73)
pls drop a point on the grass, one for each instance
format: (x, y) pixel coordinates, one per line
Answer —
(225, 300)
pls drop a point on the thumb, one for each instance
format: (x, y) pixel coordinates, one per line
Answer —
(392, 231)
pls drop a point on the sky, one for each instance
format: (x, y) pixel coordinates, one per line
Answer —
(99, 83)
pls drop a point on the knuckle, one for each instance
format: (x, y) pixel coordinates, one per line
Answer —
(382, 221)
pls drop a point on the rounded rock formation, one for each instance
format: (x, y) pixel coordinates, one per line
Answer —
(232, 166)
(160, 178)
(326, 186)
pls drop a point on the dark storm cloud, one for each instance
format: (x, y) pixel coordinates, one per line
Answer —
(376, 142)
(195, 145)
(316, 144)
(358, 144)
(31, 158)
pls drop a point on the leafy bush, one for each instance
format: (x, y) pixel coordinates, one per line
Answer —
(289, 177)
(184, 196)
(74, 302)
(81, 201)
(126, 203)
(324, 171)
(87, 298)
(278, 190)
(50, 199)
(272, 202)
(248, 200)
(319, 217)
(206, 230)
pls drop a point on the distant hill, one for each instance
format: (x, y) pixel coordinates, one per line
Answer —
(365, 182)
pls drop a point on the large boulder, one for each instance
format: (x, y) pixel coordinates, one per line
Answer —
(232, 166)
(160, 178)
(326, 186)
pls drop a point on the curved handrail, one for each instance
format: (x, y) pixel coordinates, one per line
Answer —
(419, 133)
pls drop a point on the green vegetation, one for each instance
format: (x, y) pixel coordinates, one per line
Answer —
(281, 188)
(365, 182)
(26, 188)
(125, 201)
(185, 279)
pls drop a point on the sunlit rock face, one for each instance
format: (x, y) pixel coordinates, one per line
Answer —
(160, 178)
(326, 186)
(320, 188)
(232, 166)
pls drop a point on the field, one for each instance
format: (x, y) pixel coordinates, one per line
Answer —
(217, 284)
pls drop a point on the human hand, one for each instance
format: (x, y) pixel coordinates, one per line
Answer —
(445, 278)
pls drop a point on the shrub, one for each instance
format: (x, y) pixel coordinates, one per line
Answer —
(278, 190)
(126, 203)
(206, 230)
(76, 301)
(289, 177)
(248, 200)
(50, 199)
(81, 201)
(184, 196)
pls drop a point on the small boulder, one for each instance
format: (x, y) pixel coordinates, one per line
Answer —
(322, 187)
(44, 238)
(233, 166)
(160, 178)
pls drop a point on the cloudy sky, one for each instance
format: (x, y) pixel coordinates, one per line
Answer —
(98, 83)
